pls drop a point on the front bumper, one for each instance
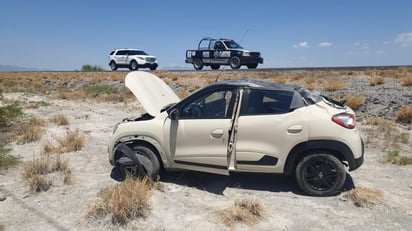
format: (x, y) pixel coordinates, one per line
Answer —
(244, 60)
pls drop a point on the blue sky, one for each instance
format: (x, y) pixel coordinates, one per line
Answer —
(64, 35)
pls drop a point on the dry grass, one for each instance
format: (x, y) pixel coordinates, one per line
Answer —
(31, 131)
(407, 80)
(60, 120)
(125, 201)
(394, 157)
(374, 121)
(36, 172)
(244, 211)
(364, 197)
(404, 114)
(333, 85)
(354, 101)
(376, 80)
(71, 142)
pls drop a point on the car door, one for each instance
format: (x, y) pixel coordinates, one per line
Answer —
(198, 139)
(121, 57)
(267, 130)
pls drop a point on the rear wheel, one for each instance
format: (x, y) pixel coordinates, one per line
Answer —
(198, 64)
(215, 67)
(234, 62)
(113, 66)
(133, 65)
(321, 175)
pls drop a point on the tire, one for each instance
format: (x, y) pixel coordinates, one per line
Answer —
(147, 152)
(320, 175)
(113, 66)
(215, 67)
(234, 62)
(133, 65)
(252, 66)
(153, 68)
(198, 64)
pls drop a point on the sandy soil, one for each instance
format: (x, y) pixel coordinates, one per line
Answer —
(187, 201)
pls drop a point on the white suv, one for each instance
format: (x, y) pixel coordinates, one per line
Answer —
(242, 125)
(132, 59)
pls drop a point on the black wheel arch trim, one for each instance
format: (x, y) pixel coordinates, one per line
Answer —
(337, 148)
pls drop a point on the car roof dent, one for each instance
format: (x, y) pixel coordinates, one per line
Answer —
(152, 92)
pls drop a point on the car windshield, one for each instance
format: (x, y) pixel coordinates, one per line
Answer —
(232, 44)
(137, 52)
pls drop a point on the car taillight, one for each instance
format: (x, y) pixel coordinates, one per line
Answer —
(345, 120)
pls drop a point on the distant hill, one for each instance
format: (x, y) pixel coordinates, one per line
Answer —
(4, 68)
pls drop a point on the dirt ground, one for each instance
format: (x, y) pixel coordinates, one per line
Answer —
(188, 201)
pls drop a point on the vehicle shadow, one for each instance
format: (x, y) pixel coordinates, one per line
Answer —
(253, 181)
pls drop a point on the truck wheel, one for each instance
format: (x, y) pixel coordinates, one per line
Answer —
(215, 67)
(252, 66)
(234, 62)
(321, 175)
(133, 65)
(113, 65)
(198, 64)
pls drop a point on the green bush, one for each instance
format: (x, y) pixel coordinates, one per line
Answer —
(6, 160)
(101, 89)
(88, 67)
(9, 114)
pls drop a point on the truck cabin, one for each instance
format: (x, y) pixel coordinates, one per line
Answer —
(217, 44)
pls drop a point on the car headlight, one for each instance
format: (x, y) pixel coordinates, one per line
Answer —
(246, 53)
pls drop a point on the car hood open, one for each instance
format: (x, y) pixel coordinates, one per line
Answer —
(152, 92)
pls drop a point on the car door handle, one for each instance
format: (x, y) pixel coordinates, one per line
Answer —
(295, 129)
(217, 133)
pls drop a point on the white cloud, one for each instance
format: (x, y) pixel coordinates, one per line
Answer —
(325, 44)
(364, 46)
(303, 44)
(404, 39)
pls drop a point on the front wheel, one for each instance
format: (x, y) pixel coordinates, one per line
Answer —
(133, 65)
(321, 175)
(152, 68)
(132, 170)
(198, 64)
(234, 62)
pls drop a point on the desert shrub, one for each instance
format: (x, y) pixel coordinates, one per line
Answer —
(354, 102)
(9, 114)
(71, 142)
(60, 120)
(374, 121)
(333, 85)
(243, 211)
(97, 89)
(7, 160)
(393, 156)
(364, 197)
(36, 172)
(31, 131)
(125, 201)
(376, 80)
(404, 114)
(407, 80)
(88, 67)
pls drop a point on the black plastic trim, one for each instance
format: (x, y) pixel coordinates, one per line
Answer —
(200, 164)
(265, 160)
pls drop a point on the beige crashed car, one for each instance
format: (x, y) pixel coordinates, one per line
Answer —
(241, 125)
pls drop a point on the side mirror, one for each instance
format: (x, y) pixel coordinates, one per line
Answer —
(174, 114)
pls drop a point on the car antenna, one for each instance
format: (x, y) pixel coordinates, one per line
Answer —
(243, 36)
